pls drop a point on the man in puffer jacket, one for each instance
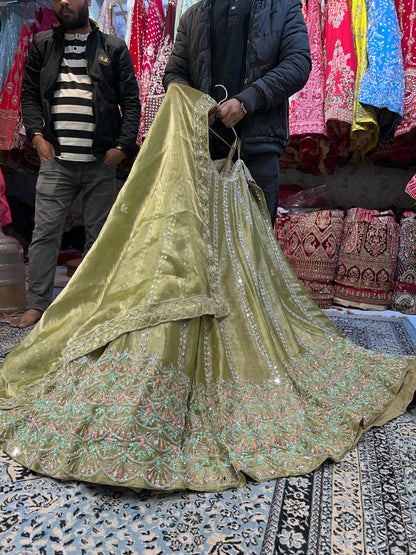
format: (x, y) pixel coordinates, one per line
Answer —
(259, 51)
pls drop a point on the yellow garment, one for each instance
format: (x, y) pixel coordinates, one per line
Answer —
(364, 130)
(184, 352)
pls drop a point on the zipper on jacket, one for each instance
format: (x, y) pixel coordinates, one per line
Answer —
(94, 92)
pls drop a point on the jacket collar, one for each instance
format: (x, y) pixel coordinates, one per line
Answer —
(59, 30)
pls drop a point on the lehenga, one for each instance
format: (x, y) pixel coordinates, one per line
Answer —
(184, 352)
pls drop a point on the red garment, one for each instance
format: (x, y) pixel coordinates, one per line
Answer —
(156, 91)
(411, 187)
(46, 19)
(406, 10)
(10, 115)
(137, 37)
(404, 294)
(367, 259)
(310, 242)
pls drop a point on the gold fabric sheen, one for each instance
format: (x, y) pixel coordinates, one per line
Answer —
(184, 352)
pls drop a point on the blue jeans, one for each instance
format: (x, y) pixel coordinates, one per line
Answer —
(58, 184)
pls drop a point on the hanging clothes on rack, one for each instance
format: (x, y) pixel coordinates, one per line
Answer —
(154, 32)
(130, 12)
(137, 41)
(382, 85)
(156, 92)
(10, 114)
(340, 73)
(181, 7)
(106, 21)
(95, 10)
(364, 131)
(308, 143)
(401, 147)
(406, 13)
(45, 18)
(11, 29)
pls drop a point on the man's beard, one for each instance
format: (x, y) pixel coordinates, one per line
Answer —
(74, 20)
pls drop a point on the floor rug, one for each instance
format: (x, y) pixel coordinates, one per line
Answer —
(366, 504)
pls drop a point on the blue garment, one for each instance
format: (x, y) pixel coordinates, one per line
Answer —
(383, 84)
(11, 29)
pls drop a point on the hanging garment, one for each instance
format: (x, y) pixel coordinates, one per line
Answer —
(129, 24)
(364, 131)
(10, 114)
(307, 147)
(404, 294)
(182, 6)
(401, 147)
(406, 10)
(340, 73)
(154, 32)
(156, 91)
(11, 29)
(95, 10)
(382, 86)
(46, 19)
(107, 19)
(184, 352)
(367, 259)
(138, 35)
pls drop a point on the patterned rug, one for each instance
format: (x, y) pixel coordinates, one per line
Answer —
(365, 504)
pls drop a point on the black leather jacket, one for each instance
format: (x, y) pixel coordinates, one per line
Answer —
(277, 65)
(110, 68)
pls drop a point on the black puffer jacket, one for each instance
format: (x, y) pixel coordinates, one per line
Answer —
(277, 65)
(114, 85)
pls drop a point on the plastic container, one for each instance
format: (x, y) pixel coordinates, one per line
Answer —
(12, 275)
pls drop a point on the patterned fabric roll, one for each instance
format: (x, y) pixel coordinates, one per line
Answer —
(404, 294)
(367, 259)
(310, 242)
(411, 187)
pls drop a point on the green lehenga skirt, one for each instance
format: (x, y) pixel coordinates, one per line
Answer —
(184, 353)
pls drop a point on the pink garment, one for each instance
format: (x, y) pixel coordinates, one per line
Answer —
(340, 73)
(5, 214)
(154, 32)
(46, 19)
(306, 113)
(341, 62)
(156, 91)
(10, 114)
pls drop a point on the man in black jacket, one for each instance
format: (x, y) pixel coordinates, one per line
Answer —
(77, 81)
(259, 51)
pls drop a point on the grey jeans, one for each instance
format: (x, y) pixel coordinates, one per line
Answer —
(58, 184)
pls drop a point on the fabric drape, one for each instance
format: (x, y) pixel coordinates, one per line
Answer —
(184, 352)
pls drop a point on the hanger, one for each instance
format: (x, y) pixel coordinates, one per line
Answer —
(219, 104)
(118, 3)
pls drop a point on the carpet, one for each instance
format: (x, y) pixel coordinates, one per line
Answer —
(366, 504)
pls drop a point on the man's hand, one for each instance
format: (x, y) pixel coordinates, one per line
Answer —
(212, 115)
(44, 148)
(231, 112)
(113, 157)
